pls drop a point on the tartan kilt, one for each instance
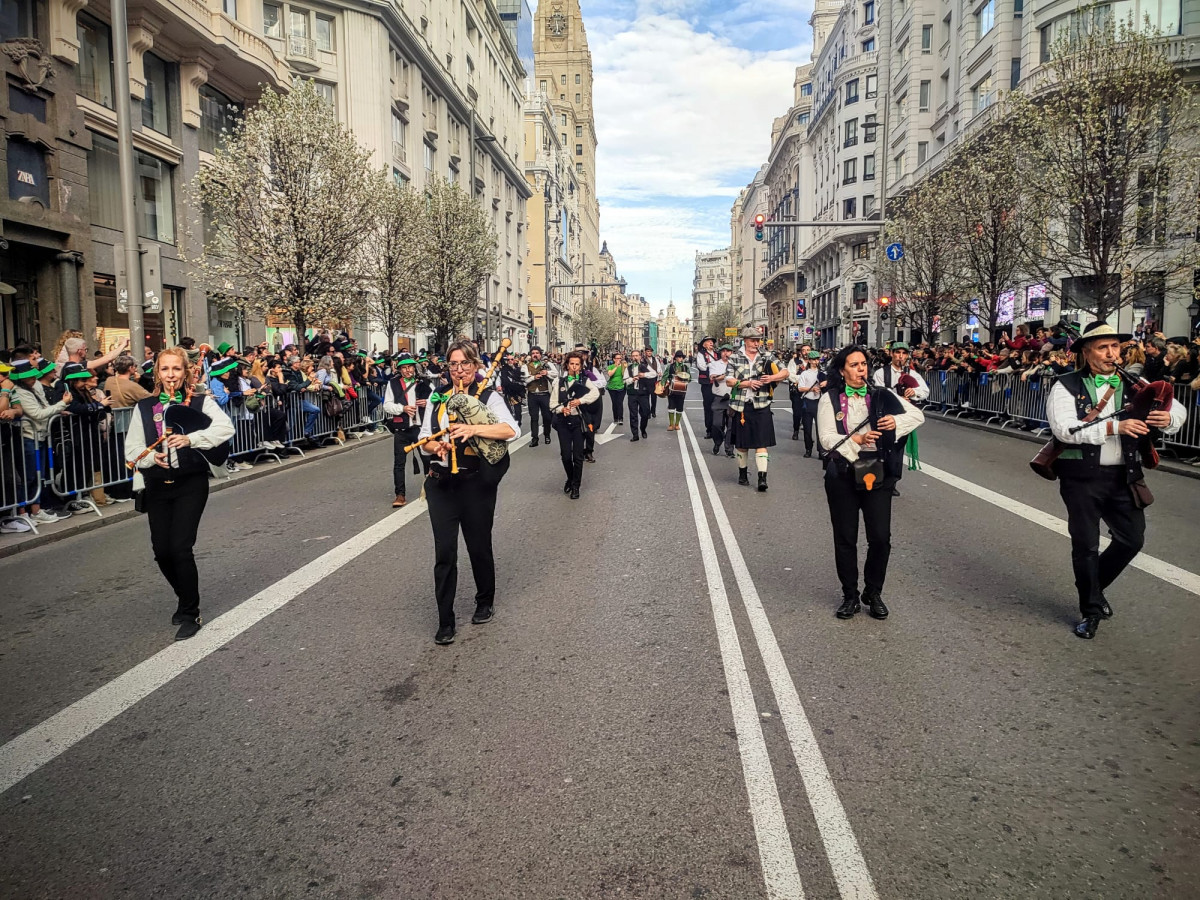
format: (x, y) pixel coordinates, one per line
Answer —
(758, 430)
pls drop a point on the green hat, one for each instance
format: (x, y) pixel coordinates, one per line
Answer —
(222, 366)
(899, 345)
(22, 368)
(725, 347)
(405, 359)
(74, 371)
(813, 354)
(47, 367)
(224, 347)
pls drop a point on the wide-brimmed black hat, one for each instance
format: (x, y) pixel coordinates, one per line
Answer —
(22, 369)
(405, 359)
(74, 371)
(1097, 330)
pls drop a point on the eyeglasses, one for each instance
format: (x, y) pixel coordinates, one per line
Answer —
(459, 365)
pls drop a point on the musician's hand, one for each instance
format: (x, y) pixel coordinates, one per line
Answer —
(908, 393)
(462, 431)
(869, 438)
(178, 441)
(160, 459)
(1160, 418)
(1134, 427)
(887, 423)
(421, 404)
(438, 448)
(410, 410)
(572, 404)
(754, 383)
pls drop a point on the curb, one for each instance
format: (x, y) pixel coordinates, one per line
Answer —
(1166, 465)
(90, 523)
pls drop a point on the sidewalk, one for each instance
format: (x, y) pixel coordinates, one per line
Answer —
(1167, 464)
(11, 544)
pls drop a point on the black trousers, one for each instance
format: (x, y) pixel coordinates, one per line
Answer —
(593, 419)
(461, 502)
(653, 402)
(515, 409)
(572, 444)
(401, 439)
(617, 396)
(808, 419)
(720, 429)
(1090, 501)
(639, 412)
(675, 402)
(706, 394)
(845, 503)
(539, 405)
(797, 409)
(173, 512)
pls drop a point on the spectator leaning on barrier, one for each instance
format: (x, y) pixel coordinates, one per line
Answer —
(36, 413)
(83, 452)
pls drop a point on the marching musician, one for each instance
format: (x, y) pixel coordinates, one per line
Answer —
(538, 374)
(616, 387)
(649, 357)
(721, 427)
(750, 373)
(466, 499)
(174, 478)
(900, 377)
(570, 395)
(640, 376)
(704, 359)
(677, 374)
(805, 383)
(593, 412)
(1100, 475)
(404, 403)
(861, 431)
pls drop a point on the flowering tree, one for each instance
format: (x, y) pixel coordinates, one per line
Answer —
(287, 200)
(1110, 142)
(395, 267)
(459, 248)
(596, 323)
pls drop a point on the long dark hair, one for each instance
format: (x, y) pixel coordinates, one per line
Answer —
(836, 382)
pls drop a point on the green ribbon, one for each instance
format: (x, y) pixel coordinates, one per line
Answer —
(176, 397)
(1109, 380)
(856, 392)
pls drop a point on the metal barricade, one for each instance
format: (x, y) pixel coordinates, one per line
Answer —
(20, 475)
(1185, 444)
(87, 455)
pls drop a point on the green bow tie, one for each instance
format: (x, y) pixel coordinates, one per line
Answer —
(856, 392)
(1110, 380)
(176, 397)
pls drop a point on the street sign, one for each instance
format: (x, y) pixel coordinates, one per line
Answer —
(731, 332)
(794, 332)
(895, 252)
(151, 261)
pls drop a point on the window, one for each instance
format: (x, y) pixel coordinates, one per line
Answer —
(898, 167)
(869, 126)
(802, 118)
(1044, 40)
(1018, 8)
(872, 87)
(850, 208)
(869, 208)
(578, 131)
(452, 174)
(95, 60)
(868, 45)
(324, 33)
(578, 79)
(156, 106)
(562, 79)
(579, 149)
(850, 171)
(16, 20)
(926, 38)
(851, 132)
(542, 85)
(1151, 211)
(298, 23)
(869, 12)
(272, 27)
(981, 95)
(27, 172)
(1014, 77)
(869, 168)
(862, 250)
(986, 18)
(217, 114)
(564, 139)
(564, 120)
(579, 168)
(806, 90)
(946, 27)
(852, 90)
(229, 7)
(922, 151)
(923, 96)
(325, 92)
(578, 98)
(153, 200)
(399, 136)
(430, 158)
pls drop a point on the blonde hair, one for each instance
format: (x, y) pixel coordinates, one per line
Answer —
(180, 354)
(60, 344)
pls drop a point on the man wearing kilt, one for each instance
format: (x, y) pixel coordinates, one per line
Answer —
(750, 374)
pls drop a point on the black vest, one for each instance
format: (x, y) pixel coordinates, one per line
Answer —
(1088, 465)
(890, 450)
(423, 391)
(190, 461)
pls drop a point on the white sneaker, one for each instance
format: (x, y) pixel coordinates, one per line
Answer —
(279, 445)
(14, 526)
(245, 465)
(120, 499)
(45, 517)
(266, 445)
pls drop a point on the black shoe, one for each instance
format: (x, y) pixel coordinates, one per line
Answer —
(807, 454)
(1087, 628)
(445, 635)
(567, 487)
(635, 438)
(731, 454)
(483, 613)
(875, 606)
(654, 415)
(1105, 609)
(534, 442)
(180, 617)
(849, 607)
(708, 435)
(762, 481)
(644, 433)
(587, 457)
(795, 435)
(716, 449)
(574, 493)
(744, 476)
(895, 492)
(188, 628)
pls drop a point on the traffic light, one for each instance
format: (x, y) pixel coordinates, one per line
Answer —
(884, 303)
(759, 220)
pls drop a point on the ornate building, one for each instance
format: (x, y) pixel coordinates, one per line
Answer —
(711, 287)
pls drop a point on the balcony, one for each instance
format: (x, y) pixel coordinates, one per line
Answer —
(301, 53)
(399, 153)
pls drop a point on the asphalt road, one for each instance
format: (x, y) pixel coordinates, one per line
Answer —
(664, 706)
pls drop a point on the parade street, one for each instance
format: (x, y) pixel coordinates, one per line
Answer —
(663, 707)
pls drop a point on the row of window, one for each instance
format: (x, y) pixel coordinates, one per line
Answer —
(850, 169)
(871, 88)
(301, 23)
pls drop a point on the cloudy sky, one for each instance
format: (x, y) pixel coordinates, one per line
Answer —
(685, 93)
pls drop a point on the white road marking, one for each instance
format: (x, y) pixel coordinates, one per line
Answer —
(1151, 565)
(841, 846)
(775, 849)
(28, 752)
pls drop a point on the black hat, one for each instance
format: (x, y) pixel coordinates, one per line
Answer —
(222, 366)
(1181, 341)
(404, 358)
(342, 344)
(678, 354)
(21, 369)
(707, 338)
(46, 367)
(1097, 330)
(74, 371)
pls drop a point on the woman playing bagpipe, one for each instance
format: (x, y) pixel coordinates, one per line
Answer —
(862, 431)
(164, 445)
(465, 432)
(570, 393)
(1098, 460)
(675, 381)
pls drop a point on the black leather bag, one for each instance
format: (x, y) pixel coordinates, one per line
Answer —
(868, 472)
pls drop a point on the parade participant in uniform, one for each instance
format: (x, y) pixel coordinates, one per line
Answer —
(649, 357)
(678, 373)
(703, 359)
(900, 377)
(721, 430)
(806, 383)
(593, 411)
(174, 477)
(538, 374)
(640, 376)
(464, 500)
(616, 387)
(404, 403)
(512, 385)
(1099, 472)
(861, 431)
(570, 394)
(750, 373)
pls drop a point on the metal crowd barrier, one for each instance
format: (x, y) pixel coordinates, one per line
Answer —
(1185, 444)
(20, 483)
(1004, 399)
(87, 456)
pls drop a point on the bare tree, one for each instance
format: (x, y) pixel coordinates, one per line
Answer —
(396, 263)
(287, 198)
(595, 323)
(459, 244)
(1110, 136)
(723, 316)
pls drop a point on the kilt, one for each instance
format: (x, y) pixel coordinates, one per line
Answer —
(757, 432)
